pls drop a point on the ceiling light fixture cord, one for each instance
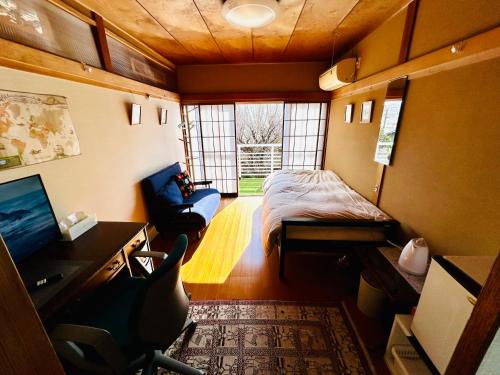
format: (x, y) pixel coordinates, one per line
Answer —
(333, 46)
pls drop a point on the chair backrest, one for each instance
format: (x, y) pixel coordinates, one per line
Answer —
(161, 308)
(151, 185)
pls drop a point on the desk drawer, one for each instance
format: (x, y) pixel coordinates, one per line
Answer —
(135, 242)
(107, 272)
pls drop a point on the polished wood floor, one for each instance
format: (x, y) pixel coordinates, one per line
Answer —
(255, 276)
(308, 279)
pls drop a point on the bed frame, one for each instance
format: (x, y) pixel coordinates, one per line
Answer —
(329, 246)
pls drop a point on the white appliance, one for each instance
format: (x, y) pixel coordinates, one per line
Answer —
(339, 75)
(443, 310)
(414, 257)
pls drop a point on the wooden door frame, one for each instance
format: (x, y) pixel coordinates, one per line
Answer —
(480, 329)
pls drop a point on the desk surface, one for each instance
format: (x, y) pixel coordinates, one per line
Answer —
(392, 254)
(88, 253)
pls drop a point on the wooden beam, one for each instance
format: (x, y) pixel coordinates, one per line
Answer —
(411, 15)
(304, 96)
(480, 329)
(18, 56)
(69, 9)
(102, 42)
(482, 47)
(24, 347)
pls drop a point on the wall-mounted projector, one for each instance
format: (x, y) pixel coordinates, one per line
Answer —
(338, 75)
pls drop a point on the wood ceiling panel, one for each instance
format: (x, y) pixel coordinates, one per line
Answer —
(183, 21)
(365, 17)
(195, 32)
(135, 20)
(235, 42)
(270, 41)
(313, 35)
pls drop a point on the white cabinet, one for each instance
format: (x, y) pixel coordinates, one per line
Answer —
(442, 313)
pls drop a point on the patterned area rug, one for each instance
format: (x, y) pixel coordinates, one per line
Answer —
(257, 338)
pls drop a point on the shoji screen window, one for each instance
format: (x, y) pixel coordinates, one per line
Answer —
(212, 145)
(304, 129)
(219, 146)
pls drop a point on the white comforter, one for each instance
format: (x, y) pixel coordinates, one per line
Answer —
(316, 194)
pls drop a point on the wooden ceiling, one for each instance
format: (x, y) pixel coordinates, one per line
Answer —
(194, 31)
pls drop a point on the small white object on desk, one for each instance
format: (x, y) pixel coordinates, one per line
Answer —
(75, 224)
(414, 257)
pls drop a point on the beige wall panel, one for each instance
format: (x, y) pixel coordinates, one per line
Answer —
(444, 182)
(380, 50)
(442, 22)
(226, 78)
(115, 156)
(351, 147)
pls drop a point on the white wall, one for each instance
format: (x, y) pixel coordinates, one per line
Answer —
(114, 155)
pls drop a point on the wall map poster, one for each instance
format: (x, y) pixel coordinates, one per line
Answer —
(34, 128)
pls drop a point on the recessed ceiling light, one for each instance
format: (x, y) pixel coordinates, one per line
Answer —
(250, 13)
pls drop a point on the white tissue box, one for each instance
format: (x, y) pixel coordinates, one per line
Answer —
(77, 229)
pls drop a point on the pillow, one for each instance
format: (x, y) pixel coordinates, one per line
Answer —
(170, 193)
(185, 184)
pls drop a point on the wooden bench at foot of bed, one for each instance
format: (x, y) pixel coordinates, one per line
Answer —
(329, 236)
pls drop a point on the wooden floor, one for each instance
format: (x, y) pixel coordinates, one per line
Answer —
(255, 276)
(308, 279)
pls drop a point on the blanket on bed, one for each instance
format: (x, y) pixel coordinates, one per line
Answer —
(313, 194)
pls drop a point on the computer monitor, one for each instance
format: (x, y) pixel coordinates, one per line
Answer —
(27, 220)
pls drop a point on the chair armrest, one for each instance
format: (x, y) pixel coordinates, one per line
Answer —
(207, 182)
(149, 254)
(64, 337)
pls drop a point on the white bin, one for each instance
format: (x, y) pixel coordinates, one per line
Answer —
(371, 298)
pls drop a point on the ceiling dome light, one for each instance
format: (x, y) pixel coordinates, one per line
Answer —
(250, 13)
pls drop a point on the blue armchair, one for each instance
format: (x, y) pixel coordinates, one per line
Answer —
(169, 211)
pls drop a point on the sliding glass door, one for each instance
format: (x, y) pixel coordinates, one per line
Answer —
(304, 127)
(211, 146)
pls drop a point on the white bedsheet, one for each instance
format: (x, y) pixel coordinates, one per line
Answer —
(314, 194)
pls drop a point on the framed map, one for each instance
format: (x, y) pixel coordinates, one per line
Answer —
(34, 128)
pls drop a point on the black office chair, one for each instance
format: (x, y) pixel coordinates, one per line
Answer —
(132, 325)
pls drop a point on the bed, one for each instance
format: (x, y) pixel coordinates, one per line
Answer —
(300, 206)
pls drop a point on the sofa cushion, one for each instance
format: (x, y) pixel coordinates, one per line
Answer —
(185, 185)
(170, 193)
(205, 203)
(157, 181)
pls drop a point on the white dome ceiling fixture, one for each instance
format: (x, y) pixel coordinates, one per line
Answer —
(250, 13)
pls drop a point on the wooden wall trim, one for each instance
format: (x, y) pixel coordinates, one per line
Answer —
(102, 42)
(411, 16)
(304, 96)
(25, 347)
(480, 329)
(17, 56)
(482, 47)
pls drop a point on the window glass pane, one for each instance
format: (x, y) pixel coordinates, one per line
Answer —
(304, 131)
(311, 143)
(39, 24)
(130, 63)
(314, 111)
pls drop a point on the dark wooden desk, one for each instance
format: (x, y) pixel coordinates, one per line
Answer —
(91, 260)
